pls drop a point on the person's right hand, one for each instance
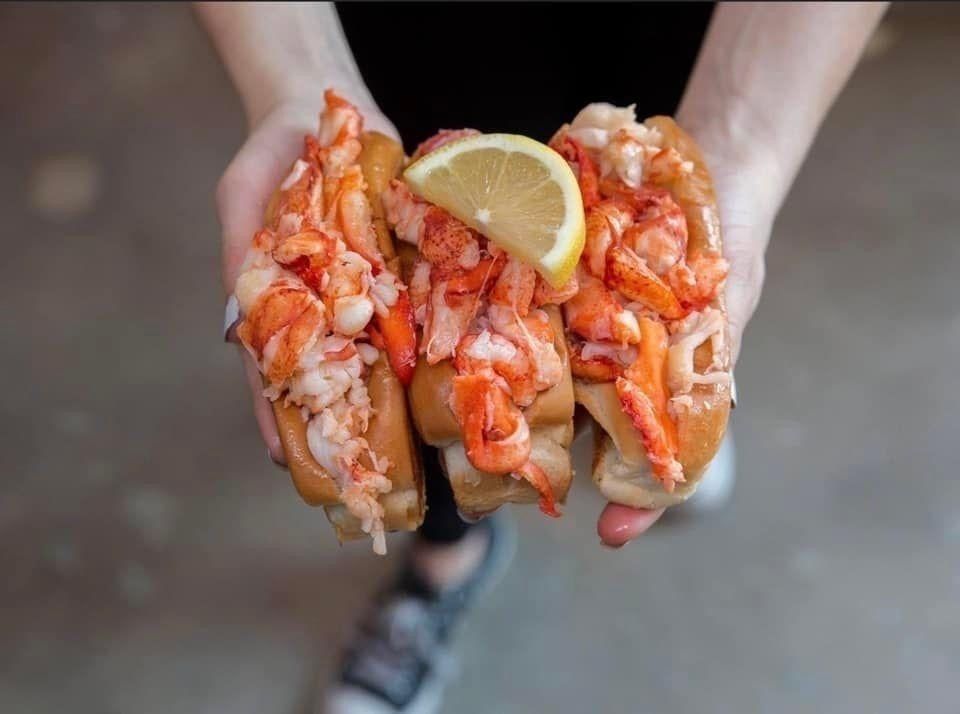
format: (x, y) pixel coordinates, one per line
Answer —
(747, 207)
(258, 169)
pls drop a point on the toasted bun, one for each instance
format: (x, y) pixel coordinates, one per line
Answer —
(620, 466)
(550, 418)
(478, 493)
(389, 430)
(431, 385)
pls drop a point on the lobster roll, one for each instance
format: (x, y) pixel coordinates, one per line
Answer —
(492, 388)
(329, 323)
(647, 331)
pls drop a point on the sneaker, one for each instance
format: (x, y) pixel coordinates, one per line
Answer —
(399, 661)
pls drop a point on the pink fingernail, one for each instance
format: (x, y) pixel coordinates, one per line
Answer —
(623, 529)
(468, 519)
(276, 462)
(610, 546)
(231, 316)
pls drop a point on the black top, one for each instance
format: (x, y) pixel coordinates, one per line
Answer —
(520, 67)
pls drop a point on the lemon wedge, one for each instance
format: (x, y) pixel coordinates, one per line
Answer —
(519, 193)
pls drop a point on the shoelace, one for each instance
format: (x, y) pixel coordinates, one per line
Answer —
(400, 640)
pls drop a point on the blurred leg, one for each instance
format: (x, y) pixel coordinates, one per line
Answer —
(447, 549)
(398, 659)
(442, 524)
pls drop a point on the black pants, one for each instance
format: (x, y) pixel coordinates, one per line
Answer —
(506, 74)
(442, 523)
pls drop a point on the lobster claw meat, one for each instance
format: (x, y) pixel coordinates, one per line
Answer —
(536, 477)
(475, 280)
(697, 281)
(596, 369)
(632, 277)
(398, 333)
(496, 437)
(644, 394)
(587, 175)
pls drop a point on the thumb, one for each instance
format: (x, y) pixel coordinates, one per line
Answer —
(743, 247)
(246, 186)
(375, 120)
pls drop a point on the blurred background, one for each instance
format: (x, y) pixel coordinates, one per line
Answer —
(154, 560)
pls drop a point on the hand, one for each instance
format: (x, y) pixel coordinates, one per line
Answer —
(747, 208)
(275, 141)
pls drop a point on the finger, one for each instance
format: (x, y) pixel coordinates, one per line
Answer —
(618, 525)
(263, 411)
(258, 169)
(373, 120)
(471, 519)
(744, 281)
(243, 194)
(251, 178)
(231, 320)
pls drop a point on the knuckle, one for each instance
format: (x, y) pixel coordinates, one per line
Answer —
(747, 274)
(747, 265)
(744, 285)
(234, 183)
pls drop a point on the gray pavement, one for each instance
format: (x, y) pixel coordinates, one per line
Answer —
(154, 561)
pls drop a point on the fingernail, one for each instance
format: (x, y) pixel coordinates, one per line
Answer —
(733, 392)
(467, 519)
(610, 546)
(278, 463)
(231, 316)
(624, 529)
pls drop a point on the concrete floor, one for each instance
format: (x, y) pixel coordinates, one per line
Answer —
(154, 561)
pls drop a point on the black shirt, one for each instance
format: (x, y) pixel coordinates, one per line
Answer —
(520, 67)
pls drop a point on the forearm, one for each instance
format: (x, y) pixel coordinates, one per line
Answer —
(277, 52)
(765, 78)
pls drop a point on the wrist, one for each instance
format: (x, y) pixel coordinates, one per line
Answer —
(739, 152)
(301, 88)
(298, 100)
(282, 55)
